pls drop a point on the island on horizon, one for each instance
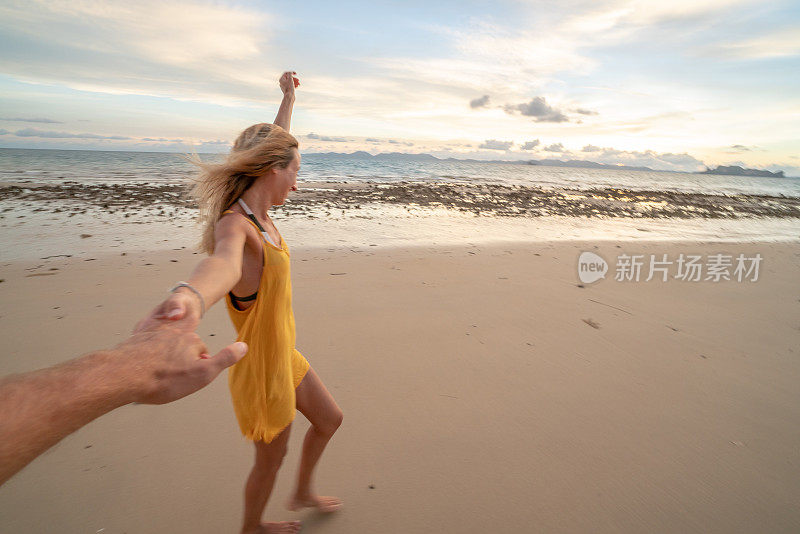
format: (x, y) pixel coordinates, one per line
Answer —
(361, 154)
(732, 170)
(735, 170)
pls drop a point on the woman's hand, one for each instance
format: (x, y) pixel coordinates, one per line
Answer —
(181, 309)
(288, 83)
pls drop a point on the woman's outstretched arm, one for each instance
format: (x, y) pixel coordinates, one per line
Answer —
(212, 279)
(288, 84)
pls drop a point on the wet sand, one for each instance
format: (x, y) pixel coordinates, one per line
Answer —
(484, 390)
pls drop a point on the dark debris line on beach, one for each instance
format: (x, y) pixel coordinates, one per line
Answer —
(494, 200)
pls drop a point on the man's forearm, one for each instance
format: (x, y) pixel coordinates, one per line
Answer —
(38, 409)
(284, 117)
(158, 364)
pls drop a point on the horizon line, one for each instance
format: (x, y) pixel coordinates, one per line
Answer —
(517, 161)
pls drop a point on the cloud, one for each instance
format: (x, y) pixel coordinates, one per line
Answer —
(530, 145)
(482, 50)
(493, 144)
(312, 135)
(585, 111)
(216, 143)
(396, 142)
(737, 149)
(481, 102)
(162, 140)
(537, 108)
(540, 42)
(667, 161)
(781, 43)
(18, 119)
(182, 49)
(375, 141)
(678, 159)
(33, 132)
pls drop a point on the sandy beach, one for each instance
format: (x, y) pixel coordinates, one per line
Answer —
(483, 390)
(545, 257)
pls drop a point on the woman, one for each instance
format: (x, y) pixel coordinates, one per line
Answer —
(248, 265)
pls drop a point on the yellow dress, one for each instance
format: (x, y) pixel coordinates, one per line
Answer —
(263, 383)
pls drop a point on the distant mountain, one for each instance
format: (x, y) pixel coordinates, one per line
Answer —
(366, 155)
(427, 157)
(584, 164)
(735, 170)
(353, 155)
(412, 157)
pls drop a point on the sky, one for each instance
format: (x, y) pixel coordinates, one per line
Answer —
(669, 85)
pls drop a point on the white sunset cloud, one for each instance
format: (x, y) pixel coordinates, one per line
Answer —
(183, 49)
(781, 43)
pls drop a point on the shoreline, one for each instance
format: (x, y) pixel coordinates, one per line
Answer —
(38, 234)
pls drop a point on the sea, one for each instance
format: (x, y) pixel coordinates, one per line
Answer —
(85, 166)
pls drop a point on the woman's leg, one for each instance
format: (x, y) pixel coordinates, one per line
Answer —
(269, 457)
(317, 405)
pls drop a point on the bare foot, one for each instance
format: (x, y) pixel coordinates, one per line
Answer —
(323, 504)
(281, 527)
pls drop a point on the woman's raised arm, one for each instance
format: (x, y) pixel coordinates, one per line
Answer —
(288, 83)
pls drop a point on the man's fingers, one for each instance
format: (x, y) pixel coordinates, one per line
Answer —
(229, 355)
(199, 343)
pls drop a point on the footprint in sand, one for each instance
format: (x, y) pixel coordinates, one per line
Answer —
(591, 323)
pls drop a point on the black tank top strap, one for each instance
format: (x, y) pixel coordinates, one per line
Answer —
(250, 216)
(244, 299)
(235, 300)
(252, 220)
(258, 224)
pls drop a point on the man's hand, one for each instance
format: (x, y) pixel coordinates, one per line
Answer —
(288, 83)
(170, 361)
(154, 366)
(167, 363)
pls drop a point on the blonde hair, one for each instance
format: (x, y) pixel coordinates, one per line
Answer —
(258, 149)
